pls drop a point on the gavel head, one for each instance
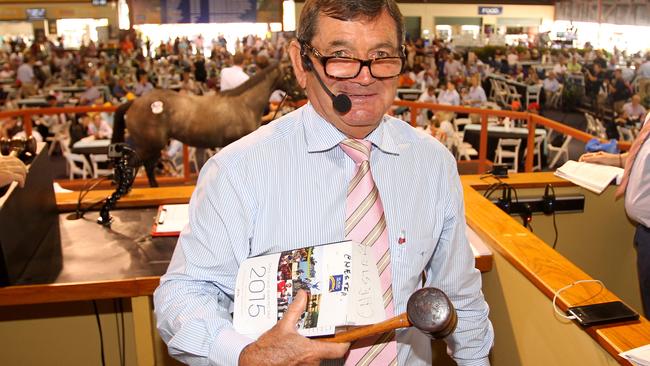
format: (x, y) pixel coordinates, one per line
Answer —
(431, 311)
(21, 147)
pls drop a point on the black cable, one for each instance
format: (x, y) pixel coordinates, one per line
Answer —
(84, 192)
(123, 363)
(279, 106)
(554, 228)
(119, 313)
(101, 334)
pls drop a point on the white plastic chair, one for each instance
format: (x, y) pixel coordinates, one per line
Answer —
(77, 164)
(537, 151)
(625, 133)
(95, 159)
(508, 149)
(464, 150)
(555, 100)
(560, 151)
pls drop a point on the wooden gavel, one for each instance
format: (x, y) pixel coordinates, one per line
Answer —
(17, 147)
(428, 309)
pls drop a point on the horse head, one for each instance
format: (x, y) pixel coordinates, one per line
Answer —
(288, 82)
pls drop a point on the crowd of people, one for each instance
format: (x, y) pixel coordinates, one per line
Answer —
(47, 74)
(442, 73)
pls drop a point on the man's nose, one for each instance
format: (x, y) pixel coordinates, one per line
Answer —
(364, 77)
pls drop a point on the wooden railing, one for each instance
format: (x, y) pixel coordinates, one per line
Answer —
(532, 121)
(27, 114)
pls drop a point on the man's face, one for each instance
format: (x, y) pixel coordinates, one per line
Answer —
(371, 98)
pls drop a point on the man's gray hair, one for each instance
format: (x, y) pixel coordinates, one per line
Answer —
(346, 10)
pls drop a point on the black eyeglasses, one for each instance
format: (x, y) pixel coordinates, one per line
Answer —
(338, 67)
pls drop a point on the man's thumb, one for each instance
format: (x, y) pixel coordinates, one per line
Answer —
(294, 311)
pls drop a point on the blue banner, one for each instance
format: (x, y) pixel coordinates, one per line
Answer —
(208, 11)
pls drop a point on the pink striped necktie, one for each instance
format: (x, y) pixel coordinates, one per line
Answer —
(634, 150)
(365, 224)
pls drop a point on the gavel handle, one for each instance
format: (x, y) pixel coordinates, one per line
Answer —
(400, 321)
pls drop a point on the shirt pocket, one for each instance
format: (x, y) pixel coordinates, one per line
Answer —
(412, 257)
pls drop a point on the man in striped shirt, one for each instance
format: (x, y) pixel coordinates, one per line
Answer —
(285, 186)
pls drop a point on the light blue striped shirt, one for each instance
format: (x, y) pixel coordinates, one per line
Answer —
(284, 187)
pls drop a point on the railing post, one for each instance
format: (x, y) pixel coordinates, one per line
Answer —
(27, 123)
(483, 142)
(186, 162)
(414, 116)
(530, 145)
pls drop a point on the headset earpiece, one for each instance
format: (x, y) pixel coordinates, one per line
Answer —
(548, 200)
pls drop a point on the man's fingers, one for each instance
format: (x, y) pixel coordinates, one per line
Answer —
(328, 350)
(295, 310)
(20, 178)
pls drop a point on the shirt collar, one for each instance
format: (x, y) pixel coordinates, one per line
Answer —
(321, 135)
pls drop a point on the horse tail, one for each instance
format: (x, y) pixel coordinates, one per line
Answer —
(119, 123)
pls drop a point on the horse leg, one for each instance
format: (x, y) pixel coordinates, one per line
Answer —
(150, 168)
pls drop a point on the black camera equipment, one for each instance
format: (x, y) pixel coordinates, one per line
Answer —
(124, 173)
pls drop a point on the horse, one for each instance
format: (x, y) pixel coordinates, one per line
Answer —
(206, 121)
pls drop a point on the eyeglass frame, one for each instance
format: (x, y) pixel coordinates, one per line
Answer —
(323, 61)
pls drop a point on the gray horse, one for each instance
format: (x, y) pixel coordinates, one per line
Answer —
(200, 121)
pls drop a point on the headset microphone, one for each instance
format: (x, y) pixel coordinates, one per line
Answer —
(341, 102)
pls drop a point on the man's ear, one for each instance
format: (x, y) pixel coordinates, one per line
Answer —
(296, 61)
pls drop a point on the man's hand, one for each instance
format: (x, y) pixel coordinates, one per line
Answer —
(282, 345)
(12, 169)
(603, 158)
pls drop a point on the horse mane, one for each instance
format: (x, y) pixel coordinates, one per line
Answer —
(253, 80)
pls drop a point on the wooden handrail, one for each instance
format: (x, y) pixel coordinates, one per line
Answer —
(27, 113)
(532, 119)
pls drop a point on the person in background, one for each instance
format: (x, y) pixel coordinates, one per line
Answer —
(90, 95)
(550, 85)
(120, 89)
(619, 91)
(98, 127)
(143, 86)
(634, 110)
(449, 96)
(355, 48)
(233, 76)
(429, 96)
(635, 188)
(476, 95)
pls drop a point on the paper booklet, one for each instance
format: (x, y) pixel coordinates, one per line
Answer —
(638, 356)
(594, 177)
(170, 220)
(341, 281)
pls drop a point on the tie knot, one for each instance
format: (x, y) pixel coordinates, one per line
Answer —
(358, 150)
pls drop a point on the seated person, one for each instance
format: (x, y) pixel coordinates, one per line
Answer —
(98, 127)
(475, 97)
(406, 79)
(429, 96)
(634, 110)
(143, 86)
(449, 96)
(91, 94)
(550, 85)
(120, 89)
